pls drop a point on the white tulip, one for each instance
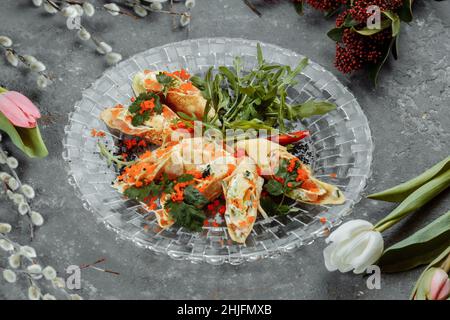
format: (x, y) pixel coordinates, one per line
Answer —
(5, 228)
(37, 3)
(354, 245)
(49, 8)
(112, 8)
(113, 58)
(5, 41)
(9, 275)
(88, 9)
(12, 58)
(103, 48)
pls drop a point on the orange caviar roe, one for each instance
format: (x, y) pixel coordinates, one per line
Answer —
(323, 220)
(291, 165)
(95, 133)
(182, 74)
(302, 175)
(130, 143)
(147, 105)
(309, 185)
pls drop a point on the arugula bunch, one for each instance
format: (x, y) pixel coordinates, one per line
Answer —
(255, 99)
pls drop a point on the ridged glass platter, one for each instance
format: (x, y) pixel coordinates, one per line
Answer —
(340, 149)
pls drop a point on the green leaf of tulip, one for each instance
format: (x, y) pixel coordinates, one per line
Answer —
(26, 137)
(416, 200)
(401, 191)
(420, 248)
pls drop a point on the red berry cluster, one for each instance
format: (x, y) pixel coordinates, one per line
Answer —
(357, 50)
(325, 5)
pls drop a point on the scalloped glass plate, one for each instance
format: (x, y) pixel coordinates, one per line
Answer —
(340, 150)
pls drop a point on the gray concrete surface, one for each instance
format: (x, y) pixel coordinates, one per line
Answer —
(408, 113)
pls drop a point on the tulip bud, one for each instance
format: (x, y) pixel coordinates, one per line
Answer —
(434, 284)
(355, 245)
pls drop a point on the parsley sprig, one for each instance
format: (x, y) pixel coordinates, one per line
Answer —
(135, 108)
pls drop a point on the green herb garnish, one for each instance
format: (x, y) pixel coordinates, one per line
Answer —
(135, 108)
(194, 197)
(186, 215)
(256, 99)
(166, 81)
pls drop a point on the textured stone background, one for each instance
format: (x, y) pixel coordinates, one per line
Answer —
(408, 113)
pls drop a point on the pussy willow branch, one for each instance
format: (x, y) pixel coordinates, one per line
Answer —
(15, 176)
(78, 24)
(29, 276)
(132, 3)
(25, 62)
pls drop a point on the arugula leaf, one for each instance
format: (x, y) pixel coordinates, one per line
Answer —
(194, 197)
(312, 108)
(186, 215)
(274, 187)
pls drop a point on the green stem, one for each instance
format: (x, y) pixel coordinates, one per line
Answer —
(2, 90)
(386, 225)
(446, 264)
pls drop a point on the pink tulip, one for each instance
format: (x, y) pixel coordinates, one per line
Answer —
(19, 109)
(439, 286)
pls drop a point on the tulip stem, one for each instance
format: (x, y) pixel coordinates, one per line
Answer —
(446, 264)
(2, 90)
(386, 225)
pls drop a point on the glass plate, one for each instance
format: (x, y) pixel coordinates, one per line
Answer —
(340, 148)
